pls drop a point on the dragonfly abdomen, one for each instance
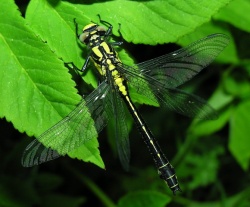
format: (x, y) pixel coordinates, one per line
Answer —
(167, 173)
(165, 169)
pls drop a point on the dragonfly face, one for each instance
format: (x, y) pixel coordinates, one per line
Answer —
(156, 79)
(91, 33)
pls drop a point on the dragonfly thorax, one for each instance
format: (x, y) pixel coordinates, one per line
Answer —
(104, 57)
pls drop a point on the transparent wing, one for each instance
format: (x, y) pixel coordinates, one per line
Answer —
(161, 75)
(176, 68)
(35, 154)
(121, 130)
(122, 135)
(72, 131)
(172, 98)
(184, 103)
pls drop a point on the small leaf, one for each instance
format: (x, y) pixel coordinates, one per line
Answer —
(235, 13)
(239, 134)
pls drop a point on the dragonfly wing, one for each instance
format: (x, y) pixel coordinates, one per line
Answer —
(176, 68)
(35, 154)
(159, 77)
(98, 103)
(184, 103)
(121, 130)
(172, 98)
(122, 140)
(72, 131)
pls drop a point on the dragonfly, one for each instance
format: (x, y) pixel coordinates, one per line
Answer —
(157, 79)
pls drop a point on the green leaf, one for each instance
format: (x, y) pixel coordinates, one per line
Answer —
(144, 198)
(239, 134)
(53, 21)
(161, 27)
(36, 89)
(238, 10)
(154, 22)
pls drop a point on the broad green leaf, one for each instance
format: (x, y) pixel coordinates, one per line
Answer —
(239, 134)
(166, 20)
(144, 198)
(36, 89)
(235, 13)
(154, 22)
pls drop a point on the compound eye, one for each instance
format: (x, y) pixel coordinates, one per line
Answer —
(101, 29)
(84, 37)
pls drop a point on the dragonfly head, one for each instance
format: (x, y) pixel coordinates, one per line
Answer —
(91, 30)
